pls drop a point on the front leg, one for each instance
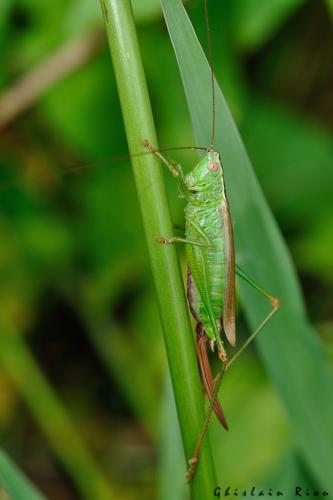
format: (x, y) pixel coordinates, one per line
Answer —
(174, 168)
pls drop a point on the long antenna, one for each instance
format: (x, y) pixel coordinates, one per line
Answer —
(41, 176)
(210, 54)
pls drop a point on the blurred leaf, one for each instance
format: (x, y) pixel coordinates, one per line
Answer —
(313, 250)
(8, 401)
(256, 21)
(36, 248)
(111, 239)
(289, 346)
(47, 244)
(6, 8)
(257, 421)
(47, 409)
(293, 159)
(82, 16)
(76, 105)
(146, 11)
(330, 6)
(290, 474)
(42, 30)
(13, 484)
(137, 373)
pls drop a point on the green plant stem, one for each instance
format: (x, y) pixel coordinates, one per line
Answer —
(178, 335)
(52, 418)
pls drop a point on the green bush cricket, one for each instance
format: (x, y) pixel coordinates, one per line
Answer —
(211, 266)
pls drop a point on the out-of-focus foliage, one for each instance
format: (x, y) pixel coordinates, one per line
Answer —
(256, 22)
(75, 278)
(13, 484)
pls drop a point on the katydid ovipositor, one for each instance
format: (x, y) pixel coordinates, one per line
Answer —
(211, 267)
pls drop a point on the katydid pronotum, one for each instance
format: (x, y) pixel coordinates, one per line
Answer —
(211, 266)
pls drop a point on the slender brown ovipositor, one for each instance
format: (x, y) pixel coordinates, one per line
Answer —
(206, 372)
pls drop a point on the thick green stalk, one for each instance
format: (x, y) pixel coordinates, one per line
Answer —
(178, 336)
(52, 418)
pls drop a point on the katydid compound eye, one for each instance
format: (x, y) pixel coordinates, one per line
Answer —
(213, 167)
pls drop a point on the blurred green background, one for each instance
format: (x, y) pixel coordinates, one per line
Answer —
(76, 291)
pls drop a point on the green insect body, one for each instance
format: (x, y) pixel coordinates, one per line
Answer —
(211, 266)
(210, 258)
(211, 272)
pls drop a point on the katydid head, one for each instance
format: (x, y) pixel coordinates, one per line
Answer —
(206, 175)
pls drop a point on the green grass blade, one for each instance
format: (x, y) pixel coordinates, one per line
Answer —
(290, 348)
(13, 484)
(330, 6)
(52, 417)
